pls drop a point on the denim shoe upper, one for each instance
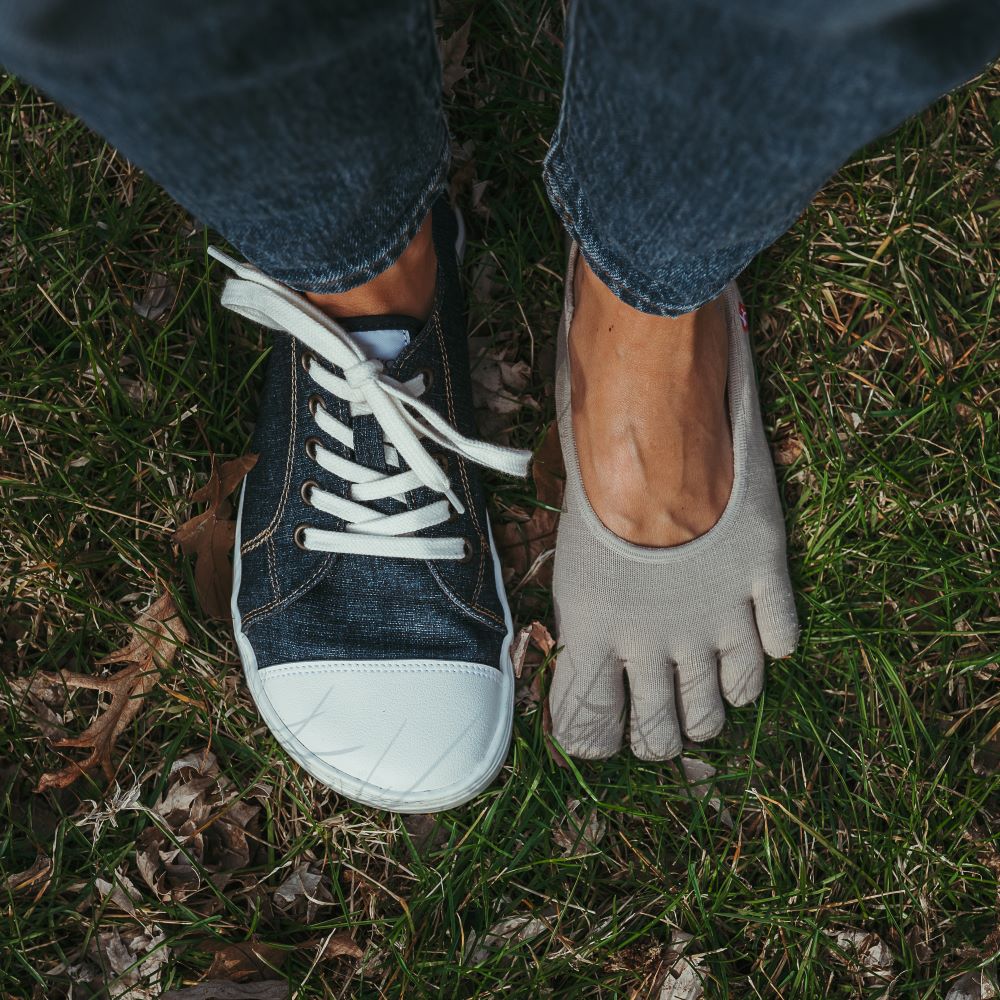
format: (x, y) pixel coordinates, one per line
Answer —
(299, 604)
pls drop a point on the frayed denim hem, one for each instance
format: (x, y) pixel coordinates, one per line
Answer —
(685, 284)
(383, 251)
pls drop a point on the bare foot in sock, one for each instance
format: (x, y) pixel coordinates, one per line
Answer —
(660, 575)
(650, 415)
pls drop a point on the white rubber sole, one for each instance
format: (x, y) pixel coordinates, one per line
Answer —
(359, 789)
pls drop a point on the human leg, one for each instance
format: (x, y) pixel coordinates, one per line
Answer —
(691, 136)
(310, 135)
(368, 606)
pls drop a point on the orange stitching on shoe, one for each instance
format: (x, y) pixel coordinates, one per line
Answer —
(268, 532)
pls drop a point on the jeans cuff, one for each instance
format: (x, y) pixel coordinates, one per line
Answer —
(682, 284)
(368, 259)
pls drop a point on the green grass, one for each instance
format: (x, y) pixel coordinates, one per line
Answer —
(849, 795)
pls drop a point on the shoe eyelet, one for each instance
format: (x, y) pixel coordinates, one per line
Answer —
(306, 489)
(312, 444)
(428, 376)
(314, 404)
(467, 545)
(300, 537)
(442, 461)
(305, 359)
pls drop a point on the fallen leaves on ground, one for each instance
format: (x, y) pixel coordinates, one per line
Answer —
(788, 449)
(986, 756)
(510, 930)
(121, 894)
(534, 634)
(528, 544)
(157, 297)
(155, 638)
(453, 52)
(210, 536)
(202, 826)
(581, 829)
(35, 878)
(531, 646)
(133, 961)
(527, 670)
(427, 833)
(244, 961)
(699, 774)
(497, 382)
(39, 697)
(341, 945)
(978, 985)
(219, 989)
(302, 893)
(685, 979)
(867, 955)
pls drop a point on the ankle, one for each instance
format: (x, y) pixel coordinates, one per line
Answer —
(682, 350)
(406, 288)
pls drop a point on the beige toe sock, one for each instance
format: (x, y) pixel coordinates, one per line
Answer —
(688, 625)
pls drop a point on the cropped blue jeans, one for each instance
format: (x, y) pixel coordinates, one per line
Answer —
(311, 135)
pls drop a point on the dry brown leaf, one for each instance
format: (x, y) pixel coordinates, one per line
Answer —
(302, 890)
(157, 298)
(685, 979)
(978, 985)
(698, 774)
(427, 832)
(511, 930)
(526, 547)
(986, 756)
(341, 945)
(788, 449)
(39, 696)
(578, 833)
(210, 536)
(535, 634)
(35, 877)
(484, 284)
(529, 650)
(453, 52)
(203, 826)
(542, 638)
(134, 961)
(244, 961)
(497, 384)
(122, 893)
(220, 989)
(865, 953)
(155, 638)
(941, 351)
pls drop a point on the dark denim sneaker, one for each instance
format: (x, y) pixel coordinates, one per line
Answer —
(368, 605)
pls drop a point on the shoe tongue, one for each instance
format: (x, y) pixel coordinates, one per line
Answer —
(382, 337)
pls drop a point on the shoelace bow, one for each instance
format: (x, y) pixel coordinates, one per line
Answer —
(403, 417)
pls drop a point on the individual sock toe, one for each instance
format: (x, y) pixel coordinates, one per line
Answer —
(655, 730)
(741, 671)
(587, 700)
(777, 620)
(701, 709)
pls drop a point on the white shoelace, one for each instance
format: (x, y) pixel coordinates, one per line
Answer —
(403, 417)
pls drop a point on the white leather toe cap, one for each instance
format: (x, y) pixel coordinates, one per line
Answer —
(405, 735)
